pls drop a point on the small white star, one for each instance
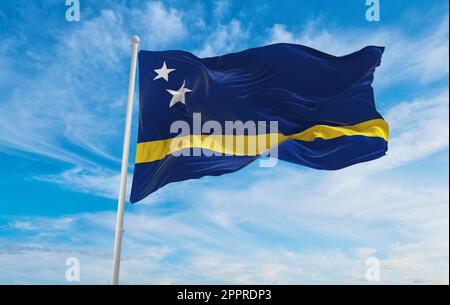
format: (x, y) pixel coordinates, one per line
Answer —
(178, 95)
(163, 72)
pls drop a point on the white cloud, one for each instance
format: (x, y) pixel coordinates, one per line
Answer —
(221, 7)
(99, 42)
(58, 108)
(101, 182)
(407, 231)
(69, 110)
(279, 34)
(105, 183)
(419, 128)
(365, 252)
(160, 25)
(225, 39)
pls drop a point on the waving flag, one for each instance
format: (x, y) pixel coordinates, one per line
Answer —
(323, 105)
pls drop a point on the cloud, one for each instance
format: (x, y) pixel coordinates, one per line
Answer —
(105, 183)
(101, 182)
(43, 224)
(221, 7)
(314, 237)
(158, 24)
(72, 108)
(57, 110)
(419, 128)
(225, 39)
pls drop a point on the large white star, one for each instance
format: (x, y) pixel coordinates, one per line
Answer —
(178, 95)
(163, 72)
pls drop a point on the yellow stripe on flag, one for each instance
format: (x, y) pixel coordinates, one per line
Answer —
(251, 145)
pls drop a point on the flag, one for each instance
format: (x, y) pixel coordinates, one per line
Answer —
(321, 106)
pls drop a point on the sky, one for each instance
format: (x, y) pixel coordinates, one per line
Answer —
(63, 88)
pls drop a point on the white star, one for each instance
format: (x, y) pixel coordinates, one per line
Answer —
(163, 72)
(178, 95)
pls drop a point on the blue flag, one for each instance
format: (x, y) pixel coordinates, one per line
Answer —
(210, 116)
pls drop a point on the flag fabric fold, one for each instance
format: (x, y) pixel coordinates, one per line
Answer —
(323, 105)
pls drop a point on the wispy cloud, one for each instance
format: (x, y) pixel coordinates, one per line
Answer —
(98, 181)
(57, 111)
(221, 7)
(160, 25)
(72, 110)
(227, 230)
(225, 39)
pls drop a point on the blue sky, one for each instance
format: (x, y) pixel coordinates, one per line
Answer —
(62, 101)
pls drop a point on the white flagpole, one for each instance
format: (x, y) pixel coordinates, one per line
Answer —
(124, 170)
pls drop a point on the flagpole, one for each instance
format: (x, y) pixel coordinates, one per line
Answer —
(124, 170)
